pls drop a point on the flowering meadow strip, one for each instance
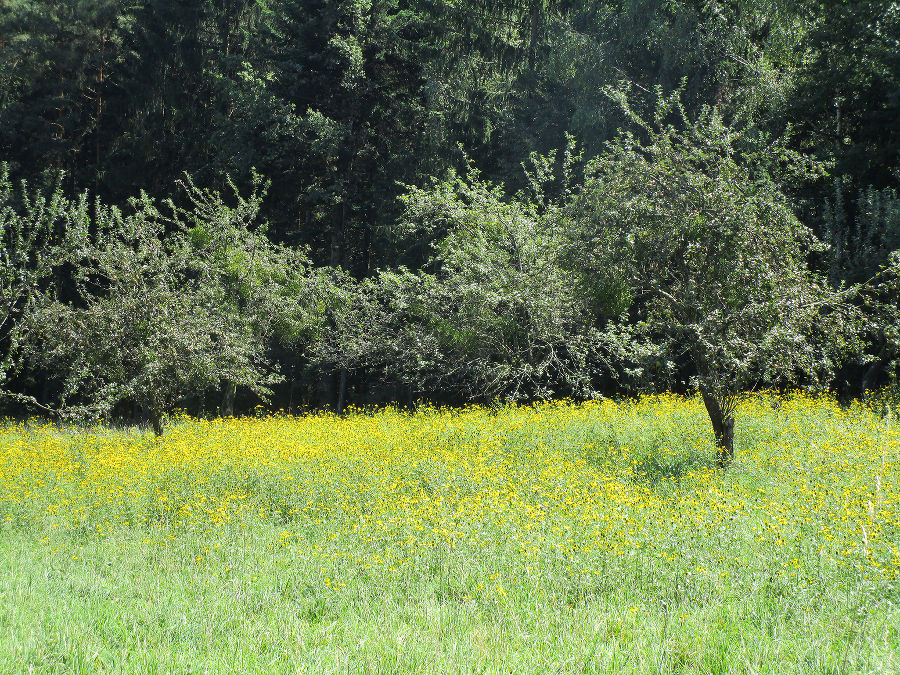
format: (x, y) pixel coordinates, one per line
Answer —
(613, 504)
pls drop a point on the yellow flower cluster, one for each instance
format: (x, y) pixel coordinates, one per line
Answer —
(585, 487)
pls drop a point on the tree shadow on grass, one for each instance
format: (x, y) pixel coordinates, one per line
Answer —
(653, 458)
(659, 467)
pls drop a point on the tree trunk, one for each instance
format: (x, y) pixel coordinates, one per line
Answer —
(870, 378)
(291, 390)
(228, 399)
(722, 419)
(156, 421)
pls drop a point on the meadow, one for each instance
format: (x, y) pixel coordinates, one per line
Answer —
(559, 538)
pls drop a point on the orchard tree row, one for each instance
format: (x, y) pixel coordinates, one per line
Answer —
(673, 261)
(212, 204)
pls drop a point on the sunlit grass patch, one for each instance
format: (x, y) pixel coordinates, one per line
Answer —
(584, 538)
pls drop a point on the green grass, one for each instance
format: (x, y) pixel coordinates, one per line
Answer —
(560, 539)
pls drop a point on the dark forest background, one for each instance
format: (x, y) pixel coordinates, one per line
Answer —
(324, 159)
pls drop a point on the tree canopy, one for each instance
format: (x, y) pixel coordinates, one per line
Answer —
(710, 260)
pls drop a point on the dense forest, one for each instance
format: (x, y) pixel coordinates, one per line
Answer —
(210, 205)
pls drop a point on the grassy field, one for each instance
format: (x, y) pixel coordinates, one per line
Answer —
(561, 538)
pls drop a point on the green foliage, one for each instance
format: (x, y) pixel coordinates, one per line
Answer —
(845, 102)
(861, 243)
(169, 302)
(341, 104)
(714, 259)
(28, 224)
(495, 316)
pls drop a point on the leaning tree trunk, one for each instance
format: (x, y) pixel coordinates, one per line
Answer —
(722, 417)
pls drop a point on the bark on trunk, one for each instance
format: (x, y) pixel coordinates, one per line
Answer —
(228, 399)
(156, 422)
(723, 427)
